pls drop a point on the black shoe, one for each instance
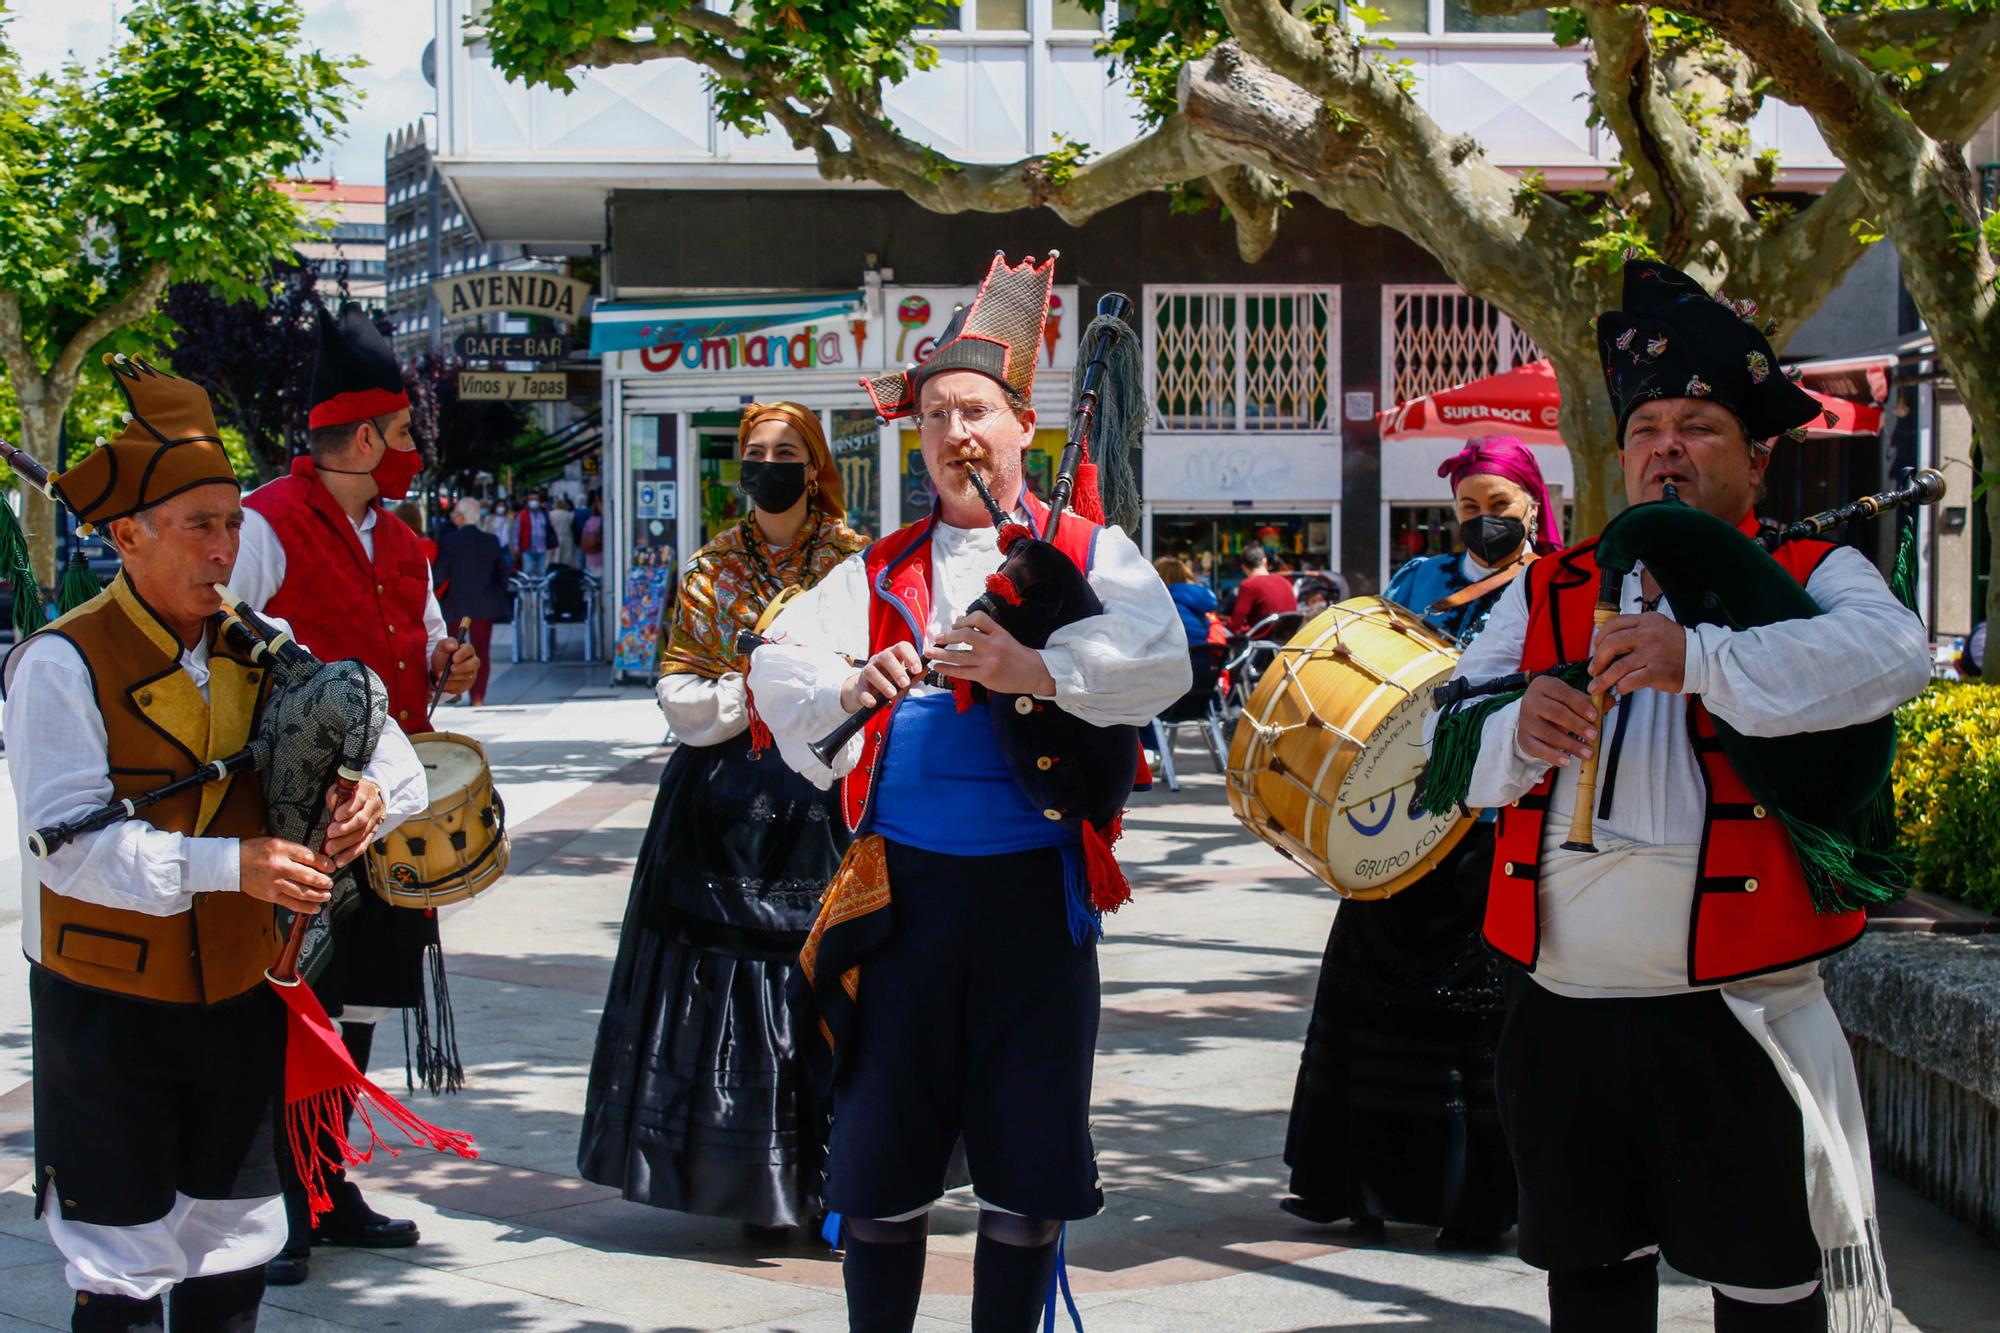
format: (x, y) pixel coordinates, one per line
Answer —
(352, 1222)
(288, 1269)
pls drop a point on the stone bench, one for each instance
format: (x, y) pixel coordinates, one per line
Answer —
(1922, 1011)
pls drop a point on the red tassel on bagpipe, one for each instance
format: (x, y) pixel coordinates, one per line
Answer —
(1003, 588)
(319, 1078)
(1011, 533)
(1109, 889)
(961, 694)
(1086, 499)
(761, 738)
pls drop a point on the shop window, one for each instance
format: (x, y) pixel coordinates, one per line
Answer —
(1000, 15)
(1420, 530)
(856, 439)
(654, 499)
(718, 472)
(1440, 337)
(1212, 544)
(1242, 360)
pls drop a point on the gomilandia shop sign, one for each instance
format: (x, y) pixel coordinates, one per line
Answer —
(548, 294)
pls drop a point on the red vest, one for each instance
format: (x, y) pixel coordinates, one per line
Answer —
(899, 607)
(341, 604)
(1752, 913)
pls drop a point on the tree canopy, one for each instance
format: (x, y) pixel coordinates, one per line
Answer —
(1252, 102)
(152, 167)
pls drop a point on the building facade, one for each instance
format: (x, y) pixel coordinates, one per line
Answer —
(1264, 380)
(350, 247)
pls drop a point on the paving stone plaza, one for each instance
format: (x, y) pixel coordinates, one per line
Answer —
(1208, 979)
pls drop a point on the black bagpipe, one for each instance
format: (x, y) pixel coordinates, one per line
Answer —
(1830, 788)
(1067, 765)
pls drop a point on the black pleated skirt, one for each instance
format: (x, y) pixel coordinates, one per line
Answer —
(698, 1100)
(1395, 1114)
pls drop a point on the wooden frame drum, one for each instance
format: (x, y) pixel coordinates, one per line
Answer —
(1325, 759)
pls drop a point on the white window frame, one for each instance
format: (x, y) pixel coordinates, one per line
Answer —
(1152, 296)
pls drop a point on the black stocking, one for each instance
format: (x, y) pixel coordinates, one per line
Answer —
(1806, 1315)
(1012, 1266)
(884, 1273)
(1616, 1298)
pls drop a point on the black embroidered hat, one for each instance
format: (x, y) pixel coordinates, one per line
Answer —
(1673, 340)
(355, 375)
(999, 337)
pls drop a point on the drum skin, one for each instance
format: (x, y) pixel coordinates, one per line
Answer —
(1325, 758)
(458, 847)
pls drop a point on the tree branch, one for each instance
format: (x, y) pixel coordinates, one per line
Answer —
(1256, 201)
(1967, 93)
(140, 298)
(1948, 32)
(14, 354)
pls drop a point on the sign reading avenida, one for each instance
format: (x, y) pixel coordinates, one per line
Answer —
(514, 293)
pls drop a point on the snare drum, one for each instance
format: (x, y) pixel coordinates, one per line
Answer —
(1325, 759)
(457, 848)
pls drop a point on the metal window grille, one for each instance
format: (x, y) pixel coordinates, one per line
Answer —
(1231, 359)
(1439, 337)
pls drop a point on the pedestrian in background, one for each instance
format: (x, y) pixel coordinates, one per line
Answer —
(501, 524)
(562, 520)
(472, 573)
(590, 539)
(1261, 593)
(533, 537)
(1194, 599)
(413, 514)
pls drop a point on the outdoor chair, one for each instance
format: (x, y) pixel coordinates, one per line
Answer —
(1254, 651)
(568, 596)
(1201, 706)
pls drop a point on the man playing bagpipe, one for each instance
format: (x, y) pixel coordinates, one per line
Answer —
(968, 1005)
(1672, 1080)
(157, 1045)
(321, 551)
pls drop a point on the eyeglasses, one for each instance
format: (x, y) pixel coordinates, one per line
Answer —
(975, 415)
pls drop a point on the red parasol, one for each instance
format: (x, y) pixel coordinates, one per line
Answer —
(1525, 403)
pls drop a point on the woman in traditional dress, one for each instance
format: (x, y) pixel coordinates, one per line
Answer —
(698, 1101)
(1394, 1117)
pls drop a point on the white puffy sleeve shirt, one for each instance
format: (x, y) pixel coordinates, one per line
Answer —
(1118, 668)
(57, 752)
(1865, 654)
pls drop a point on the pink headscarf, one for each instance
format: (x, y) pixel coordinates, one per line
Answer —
(1506, 457)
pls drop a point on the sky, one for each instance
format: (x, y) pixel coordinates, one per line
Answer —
(389, 34)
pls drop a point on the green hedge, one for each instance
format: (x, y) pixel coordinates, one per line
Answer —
(1948, 790)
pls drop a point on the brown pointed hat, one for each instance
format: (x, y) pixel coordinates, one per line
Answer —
(998, 337)
(169, 445)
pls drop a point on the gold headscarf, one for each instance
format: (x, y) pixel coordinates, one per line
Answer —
(827, 495)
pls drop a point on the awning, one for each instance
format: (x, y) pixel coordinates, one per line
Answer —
(1524, 402)
(626, 326)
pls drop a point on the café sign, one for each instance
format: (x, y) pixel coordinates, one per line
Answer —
(515, 293)
(511, 346)
(511, 386)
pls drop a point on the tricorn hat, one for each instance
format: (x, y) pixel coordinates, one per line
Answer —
(355, 375)
(998, 337)
(1673, 340)
(169, 445)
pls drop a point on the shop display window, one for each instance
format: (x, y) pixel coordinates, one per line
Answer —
(654, 488)
(1210, 544)
(718, 472)
(856, 439)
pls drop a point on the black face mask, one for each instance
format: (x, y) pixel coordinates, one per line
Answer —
(773, 487)
(1492, 538)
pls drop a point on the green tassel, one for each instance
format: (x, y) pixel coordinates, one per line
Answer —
(1903, 579)
(1843, 874)
(1455, 744)
(30, 611)
(79, 582)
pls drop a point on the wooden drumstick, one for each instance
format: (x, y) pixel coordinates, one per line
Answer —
(464, 637)
(1583, 820)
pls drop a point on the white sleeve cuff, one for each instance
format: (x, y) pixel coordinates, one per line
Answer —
(214, 865)
(1703, 641)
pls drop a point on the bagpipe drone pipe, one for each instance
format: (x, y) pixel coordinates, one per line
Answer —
(1831, 788)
